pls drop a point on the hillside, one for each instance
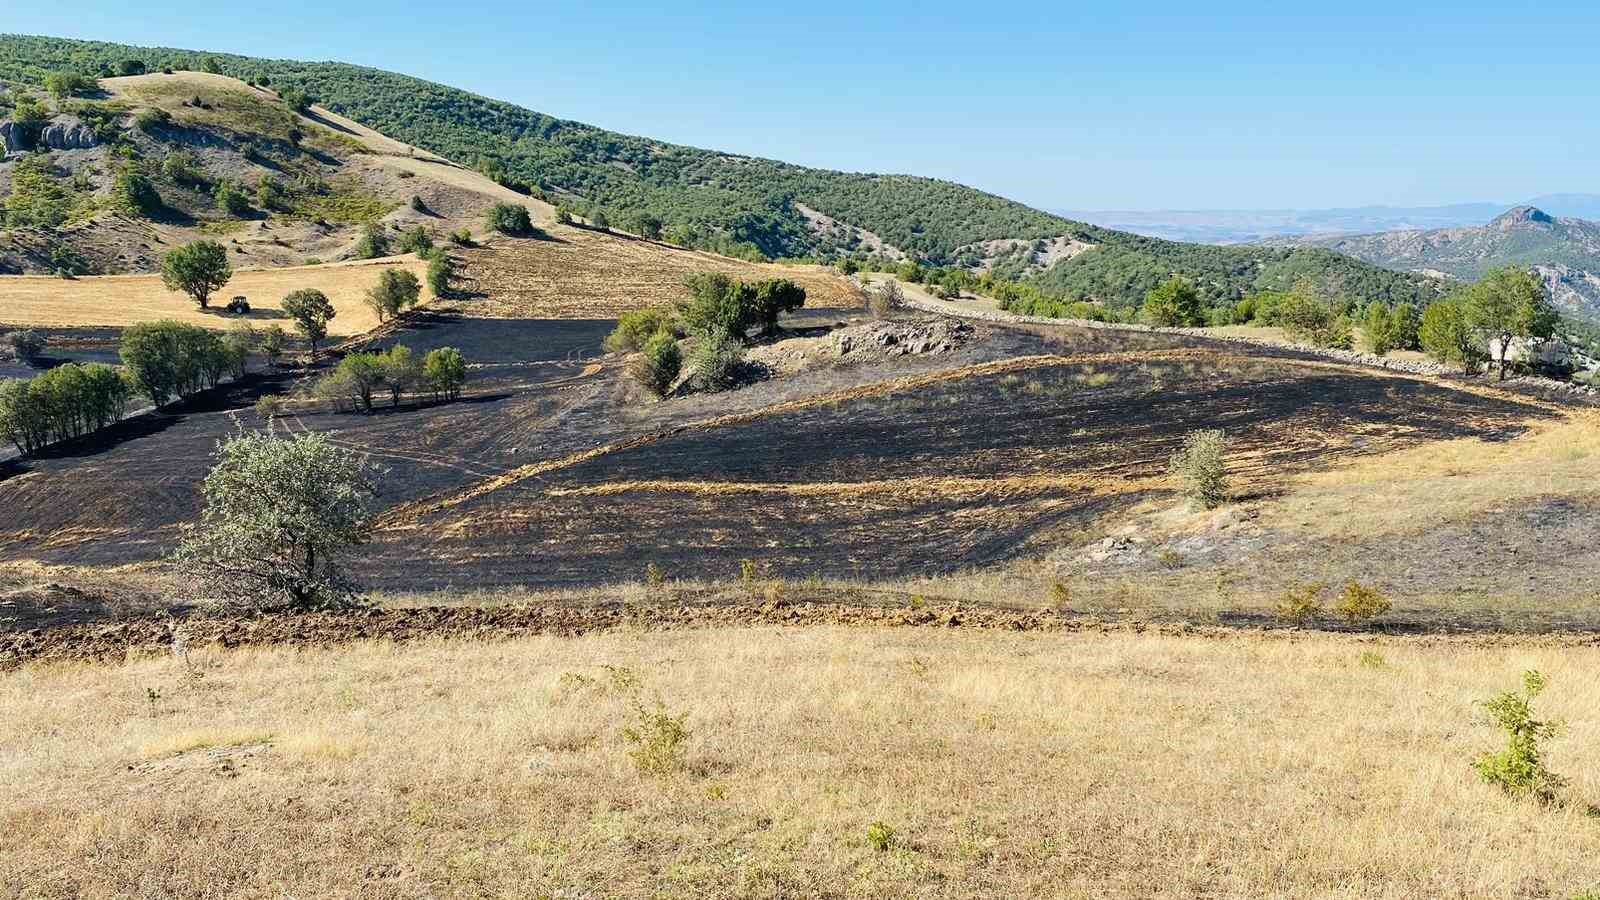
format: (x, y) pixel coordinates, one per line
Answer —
(737, 204)
(1566, 252)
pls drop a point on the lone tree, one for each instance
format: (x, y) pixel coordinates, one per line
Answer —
(510, 218)
(311, 312)
(280, 515)
(1174, 302)
(199, 270)
(396, 289)
(1509, 304)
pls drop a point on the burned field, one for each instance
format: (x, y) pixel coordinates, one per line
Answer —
(549, 473)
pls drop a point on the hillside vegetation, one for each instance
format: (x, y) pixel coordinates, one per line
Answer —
(734, 204)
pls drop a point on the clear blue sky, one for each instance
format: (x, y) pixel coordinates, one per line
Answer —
(1157, 104)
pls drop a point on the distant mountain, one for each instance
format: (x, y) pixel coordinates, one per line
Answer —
(734, 204)
(1565, 251)
(1240, 226)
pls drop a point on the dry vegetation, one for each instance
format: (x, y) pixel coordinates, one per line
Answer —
(1005, 765)
(39, 301)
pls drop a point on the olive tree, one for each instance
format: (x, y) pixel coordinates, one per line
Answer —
(199, 269)
(281, 516)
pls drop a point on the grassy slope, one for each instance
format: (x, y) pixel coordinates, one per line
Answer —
(752, 200)
(1101, 765)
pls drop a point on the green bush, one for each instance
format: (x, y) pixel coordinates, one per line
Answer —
(636, 327)
(148, 120)
(1520, 769)
(134, 194)
(181, 167)
(1447, 336)
(441, 271)
(374, 242)
(657, 365)
(66, 402)
(1359, 603)
(881, 836)
(1174, 303)
(716, 360)
(510, 218)
(1301, 603)
(1199, 464)
(231, 199)
(416, 240)
(26, 345)
(269, 406)
(656, 738)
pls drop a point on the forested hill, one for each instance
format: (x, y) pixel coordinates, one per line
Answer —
(735, 203)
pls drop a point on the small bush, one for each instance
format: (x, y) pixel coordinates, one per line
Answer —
(1372, 659)
(149, 120)
(1359, 603)
(1301, 603)
(656, 738)
(657, 365)
(416, 240)
(636, 328)
(135, 195)
(231, 199)
(717, 360)
(1199, 465)
(269, 406)
(1519, 769)
(417, 205)
(441, 271)
(374, 242)
(881, 836)
(884, 299)
(1060, 596)
(461, 237)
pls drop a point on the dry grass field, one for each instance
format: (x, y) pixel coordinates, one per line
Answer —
(1006, 765)
(39, 301)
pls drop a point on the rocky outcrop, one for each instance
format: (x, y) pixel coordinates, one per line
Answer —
(11, 137)
(67, 134)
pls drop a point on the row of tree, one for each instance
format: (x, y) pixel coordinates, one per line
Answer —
(359, 377)
(66, 402)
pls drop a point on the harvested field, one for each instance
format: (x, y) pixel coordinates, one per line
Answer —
(580, 273)
(38, 301)
(1006, 764)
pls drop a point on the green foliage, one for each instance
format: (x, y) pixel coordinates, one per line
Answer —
(1174, 303)
(1200, 466)
(149, 120)
(402, 372)
(510, 218)
(1520, 769)
(358, 376)
(773, 297)
(26, 345)
(198, 269)
(311, 311)
(444, 371)
(272, 343)
(182, 167)
(374, 242)
(296, 99)
(269, 406)
(134, 194)
(62, 85)
(721, 303)
(1379, 329)
(66, 402)
(881, 836)
(636, 327)
(645, 225)
(1445, 334)
(396, 291)
(658, 364)
(416, 240)
(1301, 603)
(1315, 316)
(656, 738)
(280, 516)
(271, 194)
(717, 359)
(167, 359)
(441, 272)
(231, 199)
(1360, 603)
(38, 198)
(1403, 327)
(1509, 303)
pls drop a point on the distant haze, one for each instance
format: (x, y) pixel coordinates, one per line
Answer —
(1239, 226)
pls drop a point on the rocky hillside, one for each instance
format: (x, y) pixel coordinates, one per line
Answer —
(1566, 252)
(106, 179)
(734, 204)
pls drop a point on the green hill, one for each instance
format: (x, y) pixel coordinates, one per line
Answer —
(736, 204)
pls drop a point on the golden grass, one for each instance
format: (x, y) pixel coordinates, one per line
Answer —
(116, 301)
(1007, 765)
(1415, 489)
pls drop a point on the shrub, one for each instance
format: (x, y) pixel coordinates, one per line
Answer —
(416, 201)
(231, 199)
(441, 270)
(445, 371)
(1359, 603)
(1306, 315)
(26, 345)
(881, 836)
(396, 290)
(884, 299)
(656, 738)
(1519, 769)
(1199, 464)
(270, 193)
(272, 343)
(240, 343)
(1301, 603)
(311, 311)
(198, 269)
(461, 237)
(269, 406)
(1379, 329)
(374, 242)
(848, 266)
(772, 298)
(280, 516)
(134, 194)
(636, 328)
(296, 99)
(181, 167)
(658, 365)
(563, 215)
(510, 218)
(600, 220)
(1174, 303)
(416, 240)
(716, 360)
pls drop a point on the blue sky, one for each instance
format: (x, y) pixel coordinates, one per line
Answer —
(1156, 105)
